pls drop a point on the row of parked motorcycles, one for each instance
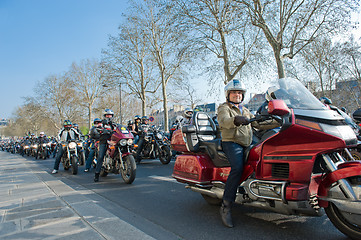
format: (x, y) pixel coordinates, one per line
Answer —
(119, 157)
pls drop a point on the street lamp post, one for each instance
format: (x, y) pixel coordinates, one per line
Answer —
(120, 103)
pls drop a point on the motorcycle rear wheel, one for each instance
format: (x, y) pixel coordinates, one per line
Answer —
(74, 165)
(212, 201)
(130, 168)
(340, 221)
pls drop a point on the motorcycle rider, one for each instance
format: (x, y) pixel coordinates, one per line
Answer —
(135, 128)
(94, 136)
(130, 125)
(236, 132)
(41, 139)
(25, 142)
(141, 139)
(187, 116)
(67, 133)
(105, 134)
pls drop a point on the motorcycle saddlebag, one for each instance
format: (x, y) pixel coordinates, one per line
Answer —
(193, 168)
(177, 142)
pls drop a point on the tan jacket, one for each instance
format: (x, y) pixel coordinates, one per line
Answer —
(243, 133)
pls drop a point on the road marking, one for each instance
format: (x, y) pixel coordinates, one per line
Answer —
(168, 179)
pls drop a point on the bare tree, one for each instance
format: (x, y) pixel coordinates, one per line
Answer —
(184, 92)
(167, 46)
(320, 55)
(220, 28)
(290, 25)
(88, 81)
(58, 100)
(128, 60)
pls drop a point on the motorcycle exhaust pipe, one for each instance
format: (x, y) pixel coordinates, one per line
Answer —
(205, 191)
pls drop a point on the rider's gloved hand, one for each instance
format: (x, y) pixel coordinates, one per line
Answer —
(238, 120)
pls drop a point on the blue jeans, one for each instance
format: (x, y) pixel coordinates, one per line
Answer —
(102, 150)
(136, 138)
(234, 153)
(90, 158)
(59, 154)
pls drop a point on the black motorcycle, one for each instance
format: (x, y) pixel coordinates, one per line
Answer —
(156, 145)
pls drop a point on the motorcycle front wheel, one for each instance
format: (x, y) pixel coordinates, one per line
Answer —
(45, 154)
(129, 171)
(165, 155)
(74, 165)
(347, 223)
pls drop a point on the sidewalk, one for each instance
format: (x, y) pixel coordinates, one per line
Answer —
(36, 205)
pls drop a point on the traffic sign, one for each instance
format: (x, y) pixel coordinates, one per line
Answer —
(151, 119)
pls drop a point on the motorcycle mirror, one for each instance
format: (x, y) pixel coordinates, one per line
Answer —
(278, 107)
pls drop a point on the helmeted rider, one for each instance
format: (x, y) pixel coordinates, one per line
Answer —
(41, 140)
(236, 132)
(94, 135)
(187, 116)
(67, 133)
(143, 126)
(130, 125)
(76, 126)
(105, 134)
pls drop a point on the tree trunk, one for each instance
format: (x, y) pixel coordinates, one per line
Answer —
(279, 62)
(89, 116)
(164, 89)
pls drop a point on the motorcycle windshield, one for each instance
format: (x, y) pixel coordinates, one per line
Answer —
(296, 95)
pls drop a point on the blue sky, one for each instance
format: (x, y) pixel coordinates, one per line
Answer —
(39, 38)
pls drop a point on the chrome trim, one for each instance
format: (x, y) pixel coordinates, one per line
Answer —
(344, 185)
(271, 189)
(189, 180)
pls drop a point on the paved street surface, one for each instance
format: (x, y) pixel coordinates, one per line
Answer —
(35, 204)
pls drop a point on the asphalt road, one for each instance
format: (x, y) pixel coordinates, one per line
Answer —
(158, 205)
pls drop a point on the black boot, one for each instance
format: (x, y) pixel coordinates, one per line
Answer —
(226, 215)
(96, 177)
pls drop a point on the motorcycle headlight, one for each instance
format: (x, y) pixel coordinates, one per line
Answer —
(130, 141)
(123, 142)
(44, 144)
(159, 136)
(35, 146)
(80, 144)
(72, 145)
(344, 132)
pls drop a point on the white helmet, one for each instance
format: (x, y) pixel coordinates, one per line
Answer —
(234, 85)
(270, 93)
(187, 113)
(178, 119)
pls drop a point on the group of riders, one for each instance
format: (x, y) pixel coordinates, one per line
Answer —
(96, 143)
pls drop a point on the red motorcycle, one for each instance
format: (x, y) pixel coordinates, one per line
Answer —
(297, 169)
(119, 158)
